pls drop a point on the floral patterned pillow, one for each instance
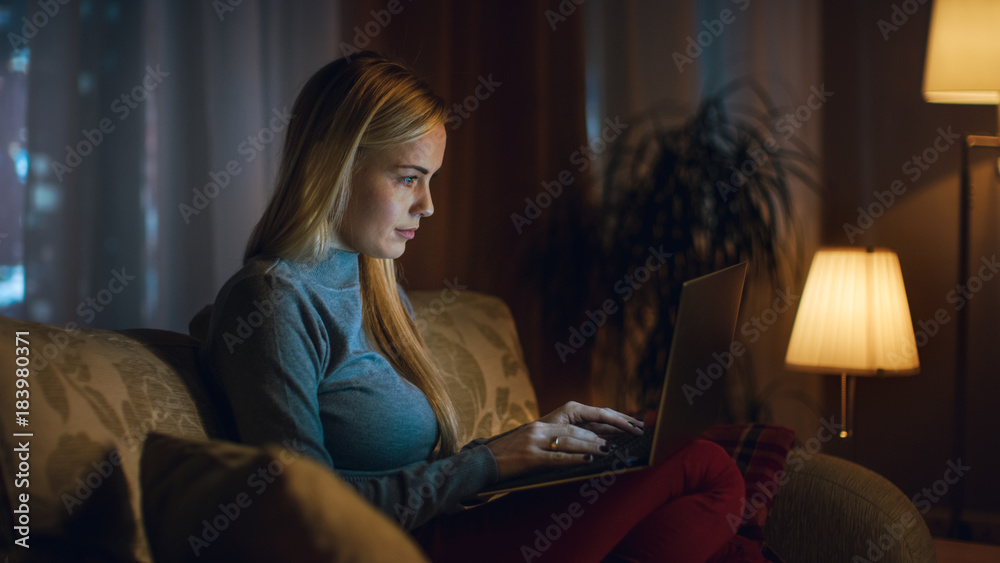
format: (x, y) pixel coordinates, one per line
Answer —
(473, 339)
(93, 396)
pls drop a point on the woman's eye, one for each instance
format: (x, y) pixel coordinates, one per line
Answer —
(410, 181)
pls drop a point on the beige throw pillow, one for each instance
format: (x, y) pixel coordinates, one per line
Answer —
(220, 501)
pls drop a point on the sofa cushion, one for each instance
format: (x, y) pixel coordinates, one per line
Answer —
(473, 339)
(220, 501)
(93, 396)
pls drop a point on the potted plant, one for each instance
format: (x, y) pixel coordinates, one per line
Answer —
(694, 193)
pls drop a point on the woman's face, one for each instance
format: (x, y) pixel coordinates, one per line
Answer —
(390, 192)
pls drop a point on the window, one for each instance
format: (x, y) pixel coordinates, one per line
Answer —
(14, 59)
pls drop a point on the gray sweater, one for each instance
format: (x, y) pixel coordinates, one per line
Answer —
(287, 349)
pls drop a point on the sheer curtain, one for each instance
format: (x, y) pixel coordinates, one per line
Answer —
(154, 129)
(14, 159)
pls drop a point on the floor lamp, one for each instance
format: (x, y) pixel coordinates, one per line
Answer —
(853, 320)
(963, 67)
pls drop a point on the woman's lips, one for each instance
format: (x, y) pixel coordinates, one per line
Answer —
(408, 234)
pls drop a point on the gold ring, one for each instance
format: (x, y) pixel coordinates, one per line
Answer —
(554, 446)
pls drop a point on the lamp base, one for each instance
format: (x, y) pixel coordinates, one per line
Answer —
(847, 383)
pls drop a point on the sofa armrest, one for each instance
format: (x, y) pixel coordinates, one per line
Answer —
(831, 509)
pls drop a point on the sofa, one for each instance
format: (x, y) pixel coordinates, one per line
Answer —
(125, 455)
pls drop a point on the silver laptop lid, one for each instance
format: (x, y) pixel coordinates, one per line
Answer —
(693, 395)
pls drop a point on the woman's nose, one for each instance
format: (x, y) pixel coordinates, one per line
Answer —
(424, 205)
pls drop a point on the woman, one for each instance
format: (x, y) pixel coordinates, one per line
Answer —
(334, 361)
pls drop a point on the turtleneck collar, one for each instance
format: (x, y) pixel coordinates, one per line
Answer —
(339, 270)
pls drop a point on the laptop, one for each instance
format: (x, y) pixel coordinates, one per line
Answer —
(693, 394)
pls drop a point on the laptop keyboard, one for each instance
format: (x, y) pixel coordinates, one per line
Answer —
(627, 450)
(633, 447)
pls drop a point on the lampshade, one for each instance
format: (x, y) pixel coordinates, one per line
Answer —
(963, 53)
(853, 317)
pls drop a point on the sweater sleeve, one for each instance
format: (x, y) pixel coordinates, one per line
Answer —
(270, 365)
(417, 493)
(265, 352)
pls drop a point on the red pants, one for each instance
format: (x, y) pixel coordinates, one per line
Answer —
(673, 512)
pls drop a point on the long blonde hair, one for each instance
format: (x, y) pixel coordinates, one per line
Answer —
(351, 107)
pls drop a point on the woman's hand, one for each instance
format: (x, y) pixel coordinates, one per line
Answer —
(566, 436)
(598, 420)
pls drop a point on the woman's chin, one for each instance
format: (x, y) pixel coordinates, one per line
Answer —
(387, 253)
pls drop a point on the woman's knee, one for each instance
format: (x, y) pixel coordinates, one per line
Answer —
(707, 454)
(706, 449)
(713, 467)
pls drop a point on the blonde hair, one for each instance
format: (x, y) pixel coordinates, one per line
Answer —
(349, 108)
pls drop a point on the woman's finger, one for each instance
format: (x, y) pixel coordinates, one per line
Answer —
(609, 417)
(568, 450)
(600, 428)
(572, 444)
